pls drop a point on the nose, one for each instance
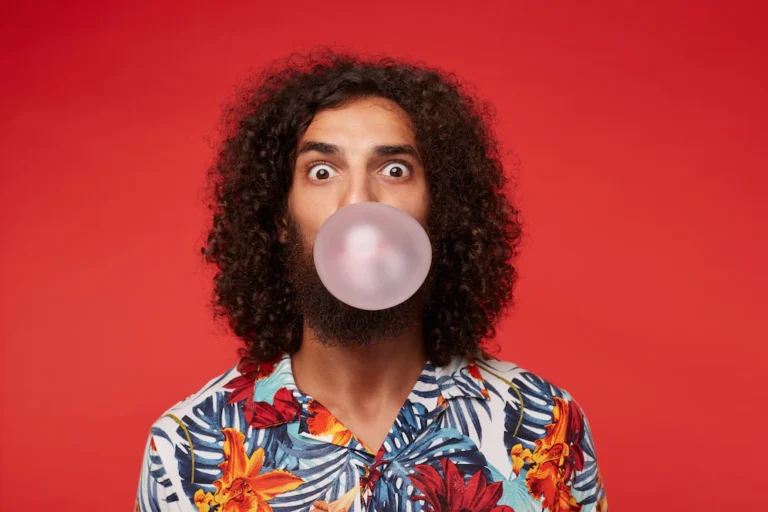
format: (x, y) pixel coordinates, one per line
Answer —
(359, 188)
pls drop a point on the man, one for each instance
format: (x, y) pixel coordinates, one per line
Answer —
(336, 408)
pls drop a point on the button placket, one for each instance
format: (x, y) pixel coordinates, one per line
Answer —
(367, 481)
(365, 487)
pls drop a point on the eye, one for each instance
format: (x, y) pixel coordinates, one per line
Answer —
(323, 173)
(397, 169)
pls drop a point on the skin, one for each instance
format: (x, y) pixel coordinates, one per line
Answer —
(362, 384)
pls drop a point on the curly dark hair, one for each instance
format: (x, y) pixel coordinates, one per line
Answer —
(479, 228)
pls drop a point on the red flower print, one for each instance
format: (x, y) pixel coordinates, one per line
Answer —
(285, 409)
(242, 385)
(450, 493)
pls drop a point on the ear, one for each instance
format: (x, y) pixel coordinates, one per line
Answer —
(282, 229)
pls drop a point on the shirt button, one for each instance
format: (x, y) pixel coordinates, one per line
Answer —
(365, 487)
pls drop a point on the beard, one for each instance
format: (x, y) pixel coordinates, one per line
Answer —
(334, 322)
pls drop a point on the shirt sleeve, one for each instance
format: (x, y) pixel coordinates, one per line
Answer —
(587, 486)
(155, 493)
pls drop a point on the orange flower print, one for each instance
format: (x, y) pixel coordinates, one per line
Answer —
(343, 504)
(602, 503)
(554, 458)
(242, 488)
(322, 423)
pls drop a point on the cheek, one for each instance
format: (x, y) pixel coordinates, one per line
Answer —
(421, 207)
(309, 213)
(415, 206)
(310, 223)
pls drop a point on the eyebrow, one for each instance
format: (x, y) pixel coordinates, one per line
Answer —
(385, 150)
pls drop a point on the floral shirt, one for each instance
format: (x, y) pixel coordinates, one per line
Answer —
(478, 434)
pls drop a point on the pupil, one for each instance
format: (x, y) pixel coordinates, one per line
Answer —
(321, 172)
(397, 171)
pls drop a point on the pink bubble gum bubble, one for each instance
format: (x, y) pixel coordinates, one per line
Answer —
(372, 255)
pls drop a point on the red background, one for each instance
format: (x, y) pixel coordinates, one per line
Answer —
(641, 133)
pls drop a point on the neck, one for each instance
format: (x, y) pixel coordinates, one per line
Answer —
(339, 374)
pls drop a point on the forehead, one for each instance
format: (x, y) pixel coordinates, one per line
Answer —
(360, 121)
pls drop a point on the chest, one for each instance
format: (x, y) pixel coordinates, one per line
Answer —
(369, 426)
(419, 465)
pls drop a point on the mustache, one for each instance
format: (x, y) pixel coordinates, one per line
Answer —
(334, 322)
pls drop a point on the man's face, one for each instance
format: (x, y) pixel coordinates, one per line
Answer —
(362, 151)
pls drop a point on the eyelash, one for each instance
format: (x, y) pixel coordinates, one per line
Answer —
(314, 164)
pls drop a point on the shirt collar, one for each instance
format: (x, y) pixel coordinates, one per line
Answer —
(461, 378)
(437, 386)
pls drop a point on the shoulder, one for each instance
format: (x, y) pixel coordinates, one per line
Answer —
(511, 382)
(544, 429)
(529, 402)
(214, 394)
(181, 434)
